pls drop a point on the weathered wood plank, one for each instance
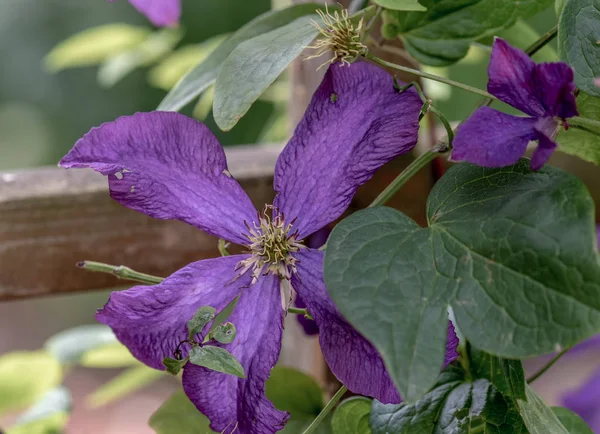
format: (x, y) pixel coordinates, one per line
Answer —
(51, 218)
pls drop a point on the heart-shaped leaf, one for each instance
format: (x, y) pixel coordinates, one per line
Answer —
(512, 251)
(203, 316)
(578, 35)
(224, 333)
(352, 416)
(538, 417)
(572, 422)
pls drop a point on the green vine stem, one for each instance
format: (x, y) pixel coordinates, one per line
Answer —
(428, 76)
(298, 311)
(547, 366)
(589, 125)
(120, 271)
(540, 43)
(334, 400)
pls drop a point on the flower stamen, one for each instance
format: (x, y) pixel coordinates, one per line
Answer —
(271, 244)
(339, 36)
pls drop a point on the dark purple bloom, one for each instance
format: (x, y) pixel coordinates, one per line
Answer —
(172, 167)
(491, 138)
(160, 12)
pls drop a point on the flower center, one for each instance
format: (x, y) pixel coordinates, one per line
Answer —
(271, 244)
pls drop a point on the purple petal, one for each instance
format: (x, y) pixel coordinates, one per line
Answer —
(355, 123)
(511, 78)
(491, 138)
(168, 166)
(240, 405)
(151, 320)
(554, 87)
(585, 401)
(451, 345)
(308, 325)
(544, 151)
(353, 359)
(160, 12)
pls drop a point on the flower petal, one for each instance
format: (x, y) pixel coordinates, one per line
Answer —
(353, 359)
(168, 166)
(160, 12)
(544, 151)
(511, 78)
(355, 123)
(585, 401)
(151, 320)
(240, 405)
(491, 138)
(554, 84)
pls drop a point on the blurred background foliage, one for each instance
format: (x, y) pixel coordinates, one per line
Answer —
(42, 113)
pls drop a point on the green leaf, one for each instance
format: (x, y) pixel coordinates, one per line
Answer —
(172, 68)
(295, 392)
(93, 46)
(579, 142)
(173, 366)
(52, 424)
(515, 260)
(224, 333)
(25, 377)
(202, 317)
(442, 35)
(70, 345)
(571, 421)
(578, 35)
(506, 375)
(124, 384)
(157, 45)
(558, 6)
(108, 356)
(254, 65)
(401, 5)
(179, 415)
(454, 405)
(352, 416)
(205, 73)
(217, 359)
(538, 417)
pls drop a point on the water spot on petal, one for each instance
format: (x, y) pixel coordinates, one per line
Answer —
(227, 173)
(119, 175)
(132, 189)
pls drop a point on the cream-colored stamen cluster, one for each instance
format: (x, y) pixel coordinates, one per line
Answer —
(271, 244)
(338, 36)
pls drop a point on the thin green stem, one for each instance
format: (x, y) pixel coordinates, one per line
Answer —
(547, 366)
(334, 400)
(428, 76)
(222, 246)
(588, 124)
(298, 311)
(541, 43)
(120, 271)
(417, 164)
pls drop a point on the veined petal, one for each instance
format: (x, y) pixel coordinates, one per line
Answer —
(168, 166)
(152, 320)
(511, 78)
(546, 146)
(491, 138)
(236, 405)
(554, 85)
(160, 12)
(355, 123)
(585, 401)
(352, 359)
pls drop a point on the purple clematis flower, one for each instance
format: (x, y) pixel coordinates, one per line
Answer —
(162, 13)
(491, 138)
(169, 166)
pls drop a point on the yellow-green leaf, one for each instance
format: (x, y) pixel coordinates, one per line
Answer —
(109, 356)
(122, 385)
(93, 46)
(25, 376)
